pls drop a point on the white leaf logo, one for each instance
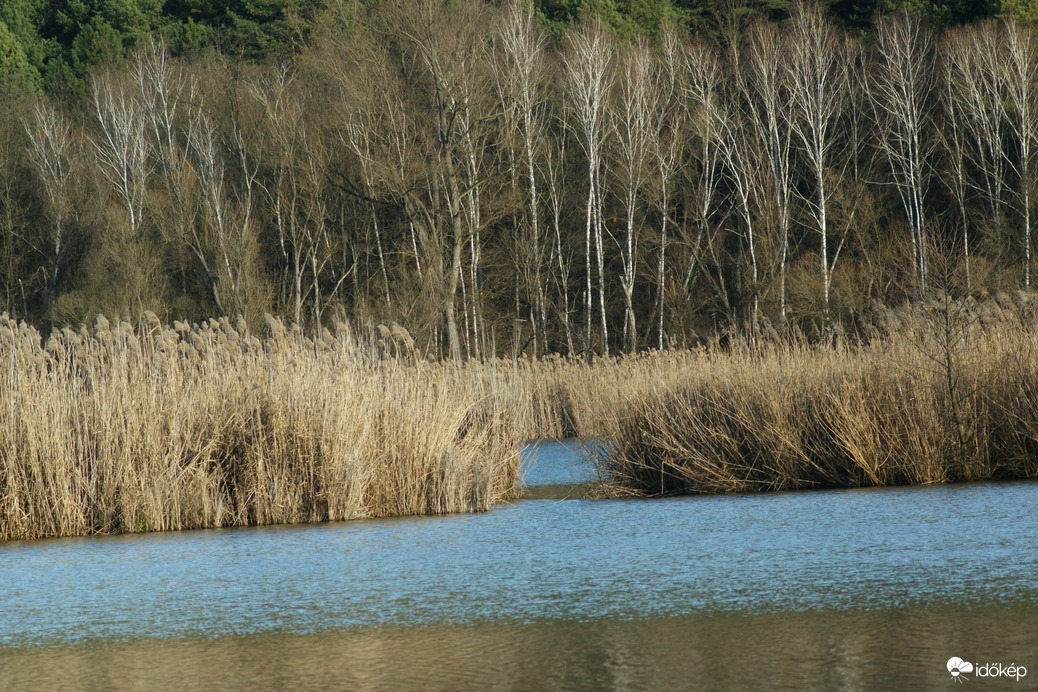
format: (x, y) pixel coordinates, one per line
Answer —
(957, 666)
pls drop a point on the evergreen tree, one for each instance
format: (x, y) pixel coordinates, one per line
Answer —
(17, 74)
(1024, 10)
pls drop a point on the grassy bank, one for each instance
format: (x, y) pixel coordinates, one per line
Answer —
(118, 429)
(945, 391)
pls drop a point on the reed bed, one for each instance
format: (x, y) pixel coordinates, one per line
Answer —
(557, 397)
(117, 429)
(943, 391)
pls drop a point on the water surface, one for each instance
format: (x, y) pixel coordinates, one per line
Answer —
(820, 589)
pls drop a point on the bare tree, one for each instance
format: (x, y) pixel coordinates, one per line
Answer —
(223, 237)
(294, 182)
(212, 229)
(319, 251)
(818, 90)
(555, 180)
(954, 137)
(757, 147)
(359, 133)
(163, 87)
(668, 133)
(859, 123)
(978, 86)
(377, 129)
(903, 101)
(283, 115)
(706, 117)
(52, 154)
(636, 102)
(1021, 76)
(122, 150)
(401, 148)
(445, 62)
(766, 93)
(477, 137)
(521, 76)
(743, 156)
(589, 79)
(388, 133)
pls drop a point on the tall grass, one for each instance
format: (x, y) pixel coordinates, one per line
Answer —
(116, 428)
(944, 391)
(160, 428)
(556, 396)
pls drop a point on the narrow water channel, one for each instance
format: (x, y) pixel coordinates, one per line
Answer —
(849, 589)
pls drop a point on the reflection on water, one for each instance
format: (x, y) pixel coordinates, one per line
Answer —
(886, 649)
(833, 588)
(882, 650)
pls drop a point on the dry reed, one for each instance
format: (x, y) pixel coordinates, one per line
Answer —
(944, 391)
(119, 429)
(116, 429)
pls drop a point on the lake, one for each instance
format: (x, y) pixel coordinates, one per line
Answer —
(833, 589)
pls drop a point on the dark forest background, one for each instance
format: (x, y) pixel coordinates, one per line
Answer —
(556, 176)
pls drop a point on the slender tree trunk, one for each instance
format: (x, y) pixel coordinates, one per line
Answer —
(661, 266)
(587, 249)
(452, 292)
(823, 231)
(599, 226)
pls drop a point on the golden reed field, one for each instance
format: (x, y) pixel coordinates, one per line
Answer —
(122, 428)
(942, 391)
(162, 428)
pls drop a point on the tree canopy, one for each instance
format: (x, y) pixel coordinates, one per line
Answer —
(52, 46)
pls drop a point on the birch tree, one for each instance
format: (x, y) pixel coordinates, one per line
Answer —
(359, 134)
(743, 158)
(449, 50)
(954, 137)
(1021, 78)
(903, 101)
(162, 88)
(706, 125)
(978, 87)
(817, 94)
(555, 182)
(52, 155)
(766, 93)
(282, 113)
(223, 237)
(587, 65)
(375, 130)
(522, 69)
(122, 150)
(669, 129)
(637, 99)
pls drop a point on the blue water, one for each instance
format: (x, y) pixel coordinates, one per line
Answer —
(566, 462)
(537, 561)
